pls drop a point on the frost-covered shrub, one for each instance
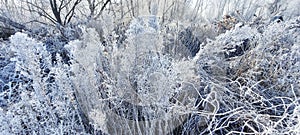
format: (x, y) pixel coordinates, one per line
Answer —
(277, 57)
(132, 84)
(6, 68)
(86, 59)
(9, 76)
(256, 79)
(6, 73)
(46, 102)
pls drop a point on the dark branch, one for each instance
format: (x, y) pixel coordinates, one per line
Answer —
(55, 12)
(70, 14)
(103, 7)
(42, 12)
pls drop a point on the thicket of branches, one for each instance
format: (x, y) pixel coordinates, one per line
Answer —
(149, 67)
